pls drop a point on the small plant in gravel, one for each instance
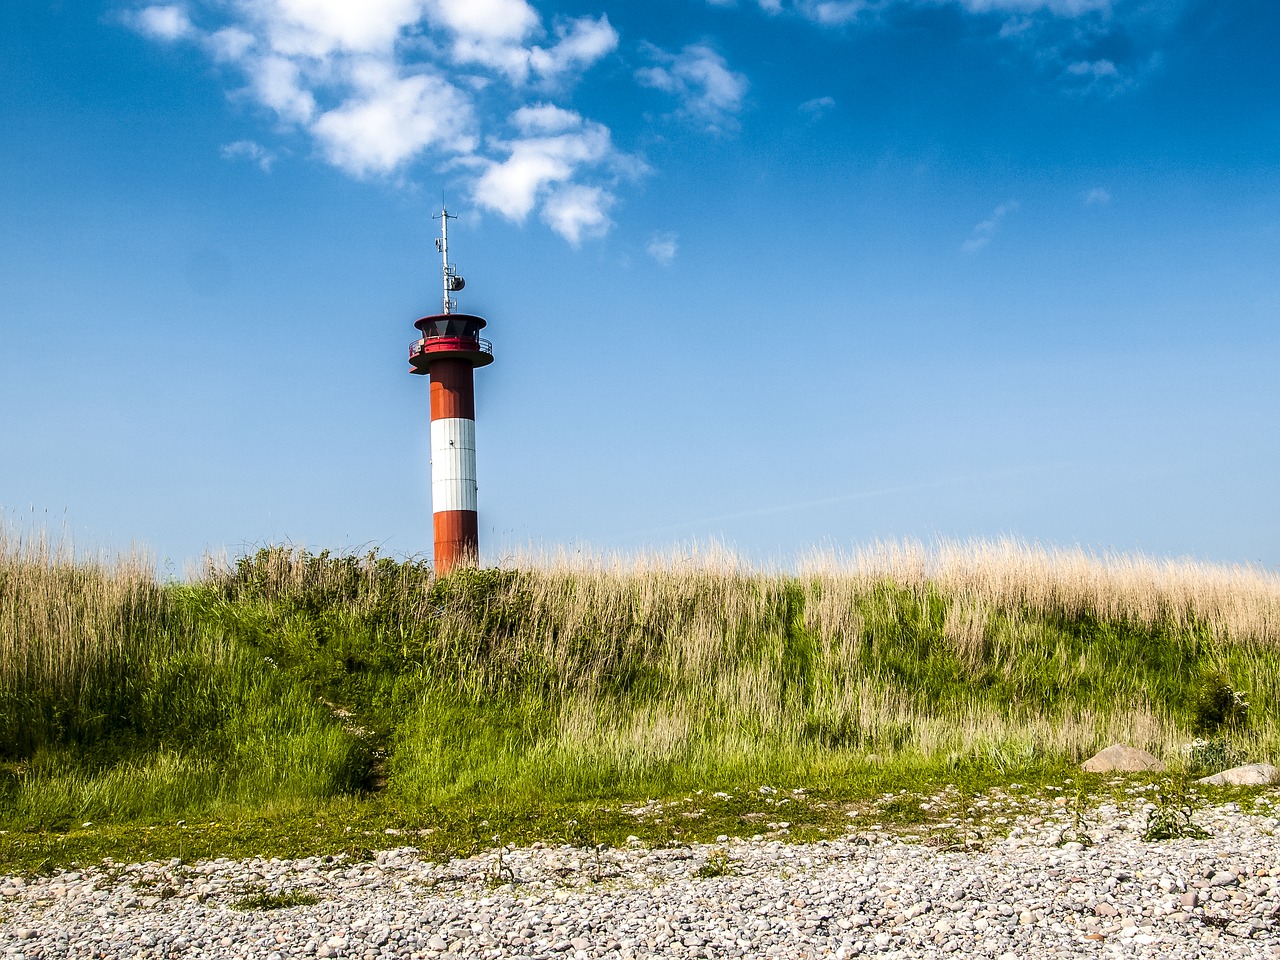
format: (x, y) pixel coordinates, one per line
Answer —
(1078, 831)
(499, 873)
(265, 900)
(718, 864)
(904, 808)
(600, 869)
(1172, 810)
(971, 837)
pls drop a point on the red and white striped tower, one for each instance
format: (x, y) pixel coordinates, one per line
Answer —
(450, 349)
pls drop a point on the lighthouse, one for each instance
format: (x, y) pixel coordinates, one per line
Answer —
(448, 352)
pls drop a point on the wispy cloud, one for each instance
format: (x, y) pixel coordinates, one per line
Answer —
(840, 12)
(827, 12)
(250, 150)
(1097, 197)
(1059, 8)
(662, 247)
(1100, 47)
(984, 477)
(1103, 76)
(709, 93)
(986, 229)
(1089, 48)
(831, 13)
(818, 107)
(382, 85)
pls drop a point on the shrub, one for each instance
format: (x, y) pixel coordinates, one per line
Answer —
(1218, 705)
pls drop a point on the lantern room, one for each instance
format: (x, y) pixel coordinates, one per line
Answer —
(449, 335)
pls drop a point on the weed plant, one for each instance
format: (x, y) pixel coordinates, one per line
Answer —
(1172, 813)
(264, 900)
(718, 864)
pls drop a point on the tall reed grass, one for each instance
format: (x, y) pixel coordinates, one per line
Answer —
(568, 674)
(71, 634)
(117, 700)
(693, 665)
(1234, 603)
(558, 677)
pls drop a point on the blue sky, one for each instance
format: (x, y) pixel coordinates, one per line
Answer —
(775, 272)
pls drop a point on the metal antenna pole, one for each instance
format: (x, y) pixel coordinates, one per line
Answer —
(447, 271)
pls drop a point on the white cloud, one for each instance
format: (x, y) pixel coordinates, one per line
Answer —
(1097, 197)
(512, 187)
(509, 59)
(575, 210)
(277, 81)
(709, 92)
(166, 23)
(320, 28)
(229, 44)
(984, 231)
(818, 107)
(249, 150)
(376, 85)
(545, 118)
(662, 247)
(507, 21)
(580, 43)
(395, 119)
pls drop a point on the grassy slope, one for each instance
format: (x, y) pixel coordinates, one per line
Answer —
(541, 701)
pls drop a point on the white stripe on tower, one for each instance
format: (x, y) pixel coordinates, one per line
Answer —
(453, 464)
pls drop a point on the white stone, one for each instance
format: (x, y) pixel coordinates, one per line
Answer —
(1249, 775)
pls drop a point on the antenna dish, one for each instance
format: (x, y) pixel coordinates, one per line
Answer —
(456, 283)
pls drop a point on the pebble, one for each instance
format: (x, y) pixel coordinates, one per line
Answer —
(869, 894)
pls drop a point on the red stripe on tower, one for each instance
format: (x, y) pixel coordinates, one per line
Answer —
(449, 351)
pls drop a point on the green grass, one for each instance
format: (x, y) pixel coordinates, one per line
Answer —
(297, 703)
(275, 901)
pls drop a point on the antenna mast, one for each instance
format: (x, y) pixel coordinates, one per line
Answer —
(449, 273)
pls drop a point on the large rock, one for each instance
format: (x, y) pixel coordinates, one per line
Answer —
(1119, 758)
(1250, 775)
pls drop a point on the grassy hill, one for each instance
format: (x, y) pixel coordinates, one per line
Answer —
(292, 689)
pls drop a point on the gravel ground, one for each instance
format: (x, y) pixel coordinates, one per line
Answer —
(864, 894)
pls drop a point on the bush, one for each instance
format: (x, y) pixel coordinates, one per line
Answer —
(1218, 705)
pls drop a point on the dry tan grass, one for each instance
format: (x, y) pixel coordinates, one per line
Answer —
(965, 630)
(65, 624)
(709, 648)
(1237, 603)
(696, 607)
